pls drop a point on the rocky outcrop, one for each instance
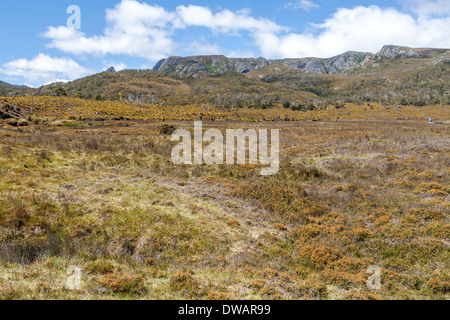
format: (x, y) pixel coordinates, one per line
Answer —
(396, 52)
(110, 70)
(310, 64)
(182, 66)
(208, 65)
(346, 62)
(339, 64)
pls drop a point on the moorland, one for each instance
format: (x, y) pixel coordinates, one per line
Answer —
(86, 180)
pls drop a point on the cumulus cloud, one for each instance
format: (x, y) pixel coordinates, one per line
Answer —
(225, 21)
(133, 28)
(428, 7)
(359, 29)
(301, 4)
(43, 69)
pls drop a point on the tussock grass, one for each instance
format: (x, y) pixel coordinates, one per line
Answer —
(106, 197)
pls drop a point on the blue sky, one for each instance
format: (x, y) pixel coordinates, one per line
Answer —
(38, 47)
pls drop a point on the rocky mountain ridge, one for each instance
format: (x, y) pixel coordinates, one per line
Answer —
(201, 66)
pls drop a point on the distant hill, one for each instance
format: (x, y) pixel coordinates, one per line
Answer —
(395, 75)
(152, 87)
(7, 89)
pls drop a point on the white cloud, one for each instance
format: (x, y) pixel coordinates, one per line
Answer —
(133, 28)
(202, 48)
(301, 4)
(225, 21)
(43, 69)
(120, 66)
(358, 29)
(428, 7)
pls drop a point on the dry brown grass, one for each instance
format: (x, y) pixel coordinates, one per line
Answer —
(105, 196)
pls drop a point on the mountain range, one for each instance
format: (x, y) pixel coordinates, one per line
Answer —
(345, 63)
(397, 75)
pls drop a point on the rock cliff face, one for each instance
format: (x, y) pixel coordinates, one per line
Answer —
(208, 65)
(339, 64)
(110, 70)
(396, 52)
(200, 66)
